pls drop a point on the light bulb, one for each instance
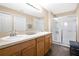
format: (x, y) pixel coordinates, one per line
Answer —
(65, 24)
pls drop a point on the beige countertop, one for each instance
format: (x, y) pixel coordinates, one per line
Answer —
(8, 41)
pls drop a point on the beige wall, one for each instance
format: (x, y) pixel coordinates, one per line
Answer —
(47, 16)
(66, 13)
(77, 14)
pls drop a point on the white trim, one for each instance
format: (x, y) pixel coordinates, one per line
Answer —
(60, 44)
(77, 28)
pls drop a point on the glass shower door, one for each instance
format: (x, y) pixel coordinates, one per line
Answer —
(64, 30)
(69, 30)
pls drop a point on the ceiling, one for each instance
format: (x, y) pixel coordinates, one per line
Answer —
(56, 8)
(61, 8)
(35, 8)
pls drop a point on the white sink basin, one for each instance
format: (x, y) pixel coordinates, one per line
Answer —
(14, 38)
(2, 41)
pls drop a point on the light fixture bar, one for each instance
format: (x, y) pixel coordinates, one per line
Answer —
(32, 6)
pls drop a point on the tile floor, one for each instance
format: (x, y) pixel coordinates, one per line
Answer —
(58, 50)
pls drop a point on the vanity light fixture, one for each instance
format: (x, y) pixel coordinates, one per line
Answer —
(32, 6)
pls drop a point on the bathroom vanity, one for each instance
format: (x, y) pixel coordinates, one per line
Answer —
(26, 45)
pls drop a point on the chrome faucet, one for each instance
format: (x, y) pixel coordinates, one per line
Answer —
(13, 33)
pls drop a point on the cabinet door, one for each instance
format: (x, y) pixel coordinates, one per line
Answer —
(40, 46)
(48, 43)
(16, 54)
(29, 52)
(29, 48)
(11, 51)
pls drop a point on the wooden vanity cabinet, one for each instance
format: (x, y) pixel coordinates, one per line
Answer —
(16, 54)
(47, 43)
(29, 48)
(11, 51)
(51, 40)
(25, 48)
(29, 52)
(40, 46)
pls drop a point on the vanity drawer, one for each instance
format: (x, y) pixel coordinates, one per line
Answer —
(11, 50)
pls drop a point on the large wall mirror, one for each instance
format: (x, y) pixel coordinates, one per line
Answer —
(20, 24)
(5, 24)
(39, 24)
(10, 23)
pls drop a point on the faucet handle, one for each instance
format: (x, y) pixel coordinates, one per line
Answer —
(13, 33)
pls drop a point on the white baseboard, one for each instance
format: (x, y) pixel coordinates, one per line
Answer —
(60, 44)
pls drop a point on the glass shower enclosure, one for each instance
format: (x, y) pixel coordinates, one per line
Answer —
(64, 29)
